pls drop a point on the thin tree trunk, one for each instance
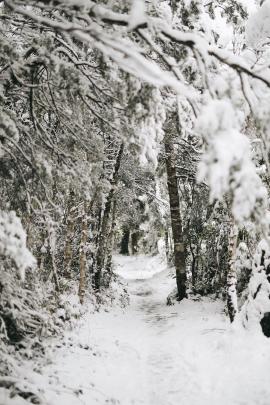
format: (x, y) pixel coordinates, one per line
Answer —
(176, 220)
(110, 244)
(43, 248)
(193, 267)
(68, 251)
(82, 251)
(102, 253)
(231, 274)
(167, 247)
(51, 240)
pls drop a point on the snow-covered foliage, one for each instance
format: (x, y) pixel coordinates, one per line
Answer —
(13, 242)
(147, 116)
(227, 163)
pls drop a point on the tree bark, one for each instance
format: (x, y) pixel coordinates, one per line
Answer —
(176, 220)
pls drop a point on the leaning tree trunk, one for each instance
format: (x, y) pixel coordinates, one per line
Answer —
(105, 227)
(231, 273)
(176, 220)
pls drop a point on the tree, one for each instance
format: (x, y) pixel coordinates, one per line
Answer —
(176, 217)
(98, 80)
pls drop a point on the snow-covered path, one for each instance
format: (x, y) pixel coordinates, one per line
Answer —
(153, 354)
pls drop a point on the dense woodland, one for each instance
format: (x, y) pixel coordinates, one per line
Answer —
(137, 127)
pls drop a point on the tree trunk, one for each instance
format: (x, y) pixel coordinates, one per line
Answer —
(52, 241)
(110, 244)
(102, 252)
(82, 260)
(231, 274)
(125, 242)
(176, 220)
(193, 269)
(68, 251)
(134, 242)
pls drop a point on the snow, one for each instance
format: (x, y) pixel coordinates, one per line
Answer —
(137, 268)
(137, 14)
(258, 26)
(129, 58)
(147, 124)
(150, 353)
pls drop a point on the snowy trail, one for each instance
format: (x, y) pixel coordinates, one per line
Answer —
(153, 354)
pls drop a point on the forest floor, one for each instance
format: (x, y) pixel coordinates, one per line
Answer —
(152, 354)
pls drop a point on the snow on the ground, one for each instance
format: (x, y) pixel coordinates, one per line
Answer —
(138, 267)
(153, 354)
